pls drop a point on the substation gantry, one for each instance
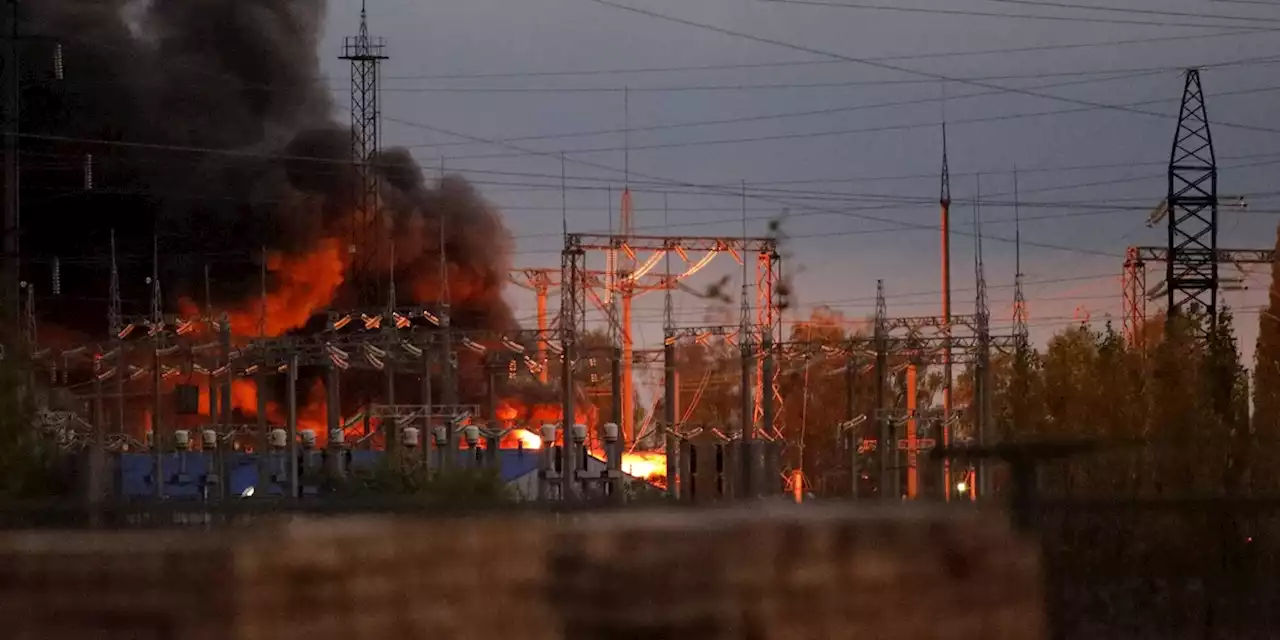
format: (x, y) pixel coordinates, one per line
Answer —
(1191, 257)
(622, 283)
(541, 281)
(1136, 293)
(907, 342)
(411, 341)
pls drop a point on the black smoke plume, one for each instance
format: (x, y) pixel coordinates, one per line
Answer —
(211, 128)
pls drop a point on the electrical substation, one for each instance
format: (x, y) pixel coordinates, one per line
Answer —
(206, 402)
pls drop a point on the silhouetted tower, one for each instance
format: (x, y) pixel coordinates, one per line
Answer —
(1020, 327)
(887, 445)
(983, 388)
(1192, 269)
(944, 200)
(366, 54)
(11, 107)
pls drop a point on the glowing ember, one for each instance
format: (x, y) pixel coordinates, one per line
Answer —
(507, 413)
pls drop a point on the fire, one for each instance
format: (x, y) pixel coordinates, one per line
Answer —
(506, 412)
(646, 465)
(312, 415)
(304, 283)
(526, 438)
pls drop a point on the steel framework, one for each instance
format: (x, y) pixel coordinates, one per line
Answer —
(1192, 200)
(541, 281)
(923, 341)
(1134, 280)
(365, 53)
(768, 321)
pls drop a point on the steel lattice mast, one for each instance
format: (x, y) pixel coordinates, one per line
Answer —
(1192, 200)
(1020, 320)
(366, 54)
(944, 200)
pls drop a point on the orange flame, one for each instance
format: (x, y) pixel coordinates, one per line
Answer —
(646, 465)
(313, 415)
(305, 283)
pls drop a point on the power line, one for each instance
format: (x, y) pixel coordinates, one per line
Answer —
(873, 129)
(1234, 32)
(1129, 10)
(1127, 75)
(898, 68)
(1004, 15)
(770, 86)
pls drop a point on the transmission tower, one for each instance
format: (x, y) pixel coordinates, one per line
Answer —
(944, 200)
(1192, 200)
(365, 53)
(982, 397)
(887, 440)
(1020, 328)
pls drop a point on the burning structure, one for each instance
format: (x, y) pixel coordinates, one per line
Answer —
(208, 130)
(203, 139)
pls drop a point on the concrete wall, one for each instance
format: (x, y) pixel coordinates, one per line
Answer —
(759, 573)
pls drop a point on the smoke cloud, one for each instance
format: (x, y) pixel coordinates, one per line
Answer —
(210, 125)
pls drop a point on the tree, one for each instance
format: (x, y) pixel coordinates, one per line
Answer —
(30, 462)
(1264, 432)
(410, 480)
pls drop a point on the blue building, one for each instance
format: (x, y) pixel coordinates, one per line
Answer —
(186, 473)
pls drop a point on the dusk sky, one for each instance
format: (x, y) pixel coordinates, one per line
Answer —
(852, 150)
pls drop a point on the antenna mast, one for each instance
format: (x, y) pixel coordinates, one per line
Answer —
(366, 54)
(982, 395)
(944, 201)
(1020, 329)
(115, 321)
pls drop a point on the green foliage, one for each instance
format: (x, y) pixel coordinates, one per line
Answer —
(1171, 414)
(29, 459)
(409, 479)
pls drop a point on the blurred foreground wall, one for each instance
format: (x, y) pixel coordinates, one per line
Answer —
(757, 573)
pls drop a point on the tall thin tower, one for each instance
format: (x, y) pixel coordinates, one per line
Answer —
(366, 54)
(1192, 270)
(11, 90)
(983, 388)
(944, 200)
(1020, 328)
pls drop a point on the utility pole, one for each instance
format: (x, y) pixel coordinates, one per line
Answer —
(1021, 329)
(12, 123)
(292, 395)
(115, 321)
(390, 426)
(944, 200)
(747, 343)
(627, 284)
(982, 395)
(888, 442)
(157, 338)
(365, 53)
(571, 264)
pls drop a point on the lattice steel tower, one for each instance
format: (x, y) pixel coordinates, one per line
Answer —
(1192, 267)
(366, 54)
